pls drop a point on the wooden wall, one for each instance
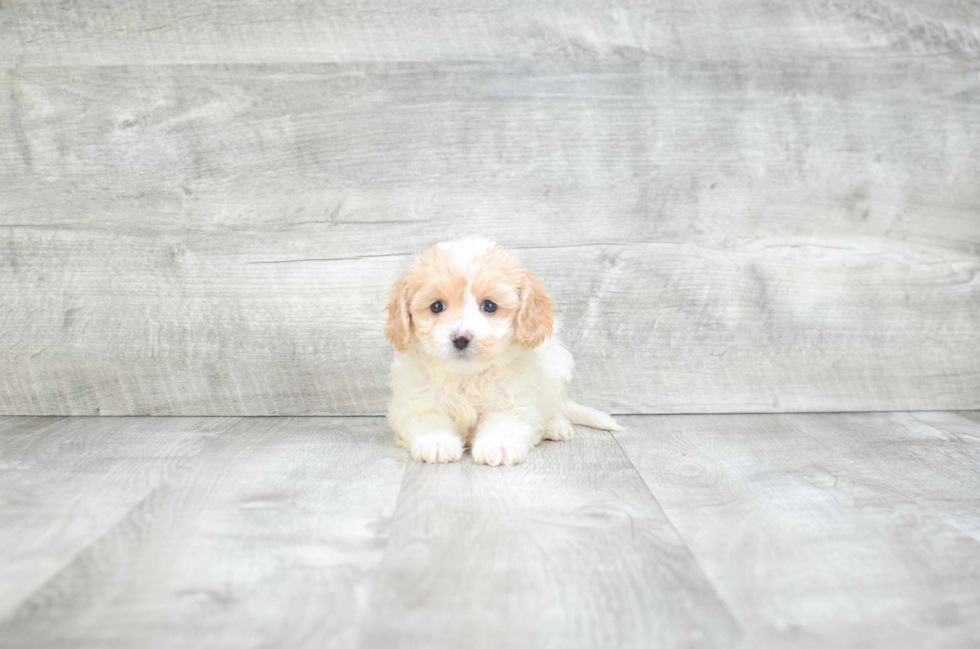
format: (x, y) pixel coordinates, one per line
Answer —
(744, 206)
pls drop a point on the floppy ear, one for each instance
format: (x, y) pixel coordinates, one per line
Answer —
(534, 317)
(398, 331)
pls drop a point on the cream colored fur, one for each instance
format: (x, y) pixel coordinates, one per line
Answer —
(506, 391)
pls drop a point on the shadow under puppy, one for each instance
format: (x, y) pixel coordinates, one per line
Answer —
(477, 363)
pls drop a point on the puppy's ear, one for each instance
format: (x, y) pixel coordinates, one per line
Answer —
(398, 331)
(534, 321)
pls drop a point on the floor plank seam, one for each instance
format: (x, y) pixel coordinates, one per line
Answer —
(683, 541)
(14, 615)
(376, 577)
(958, 436)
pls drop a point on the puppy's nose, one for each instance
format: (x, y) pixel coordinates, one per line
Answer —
(461, 341)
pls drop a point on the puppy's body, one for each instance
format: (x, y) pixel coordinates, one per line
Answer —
(477, 361)
(527, 386)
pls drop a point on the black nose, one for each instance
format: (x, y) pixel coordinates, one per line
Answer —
(461, 342)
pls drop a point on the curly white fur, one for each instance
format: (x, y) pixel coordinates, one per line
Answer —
(506, 390)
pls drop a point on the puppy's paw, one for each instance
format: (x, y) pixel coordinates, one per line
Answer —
(437, 446)
(559, 430)
(494, 450)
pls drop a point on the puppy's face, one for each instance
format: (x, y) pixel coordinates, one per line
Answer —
(465, 301)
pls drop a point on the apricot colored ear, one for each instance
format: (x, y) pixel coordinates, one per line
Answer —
(398, 331)
(534, 322)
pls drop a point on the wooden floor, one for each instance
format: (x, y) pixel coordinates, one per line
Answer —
(843, 530)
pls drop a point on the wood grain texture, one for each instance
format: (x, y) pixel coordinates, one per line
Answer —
(848, 530)
(844, 530)
(972, 416)
(720, 236)
(269, 537)
(94, 32)
(66, 482)
(567, 550)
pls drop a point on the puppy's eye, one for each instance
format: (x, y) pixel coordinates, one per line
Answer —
(489, 306)
(438, 307)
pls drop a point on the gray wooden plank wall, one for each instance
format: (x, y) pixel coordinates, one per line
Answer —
(746, 206)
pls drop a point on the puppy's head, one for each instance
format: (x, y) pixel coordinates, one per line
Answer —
(467, 300)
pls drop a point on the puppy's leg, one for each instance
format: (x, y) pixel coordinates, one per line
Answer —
(559, 429)
(432, 437)
(502, 439)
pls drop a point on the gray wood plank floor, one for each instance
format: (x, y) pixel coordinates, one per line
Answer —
(682, 530)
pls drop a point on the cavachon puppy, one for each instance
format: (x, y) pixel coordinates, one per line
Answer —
(477, 363)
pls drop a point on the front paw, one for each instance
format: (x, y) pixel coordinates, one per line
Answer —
(437, 446)
(494, 450)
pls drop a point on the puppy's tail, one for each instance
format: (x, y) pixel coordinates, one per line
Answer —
(586, 416)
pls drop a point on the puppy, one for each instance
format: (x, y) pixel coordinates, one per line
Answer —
(476, 363)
